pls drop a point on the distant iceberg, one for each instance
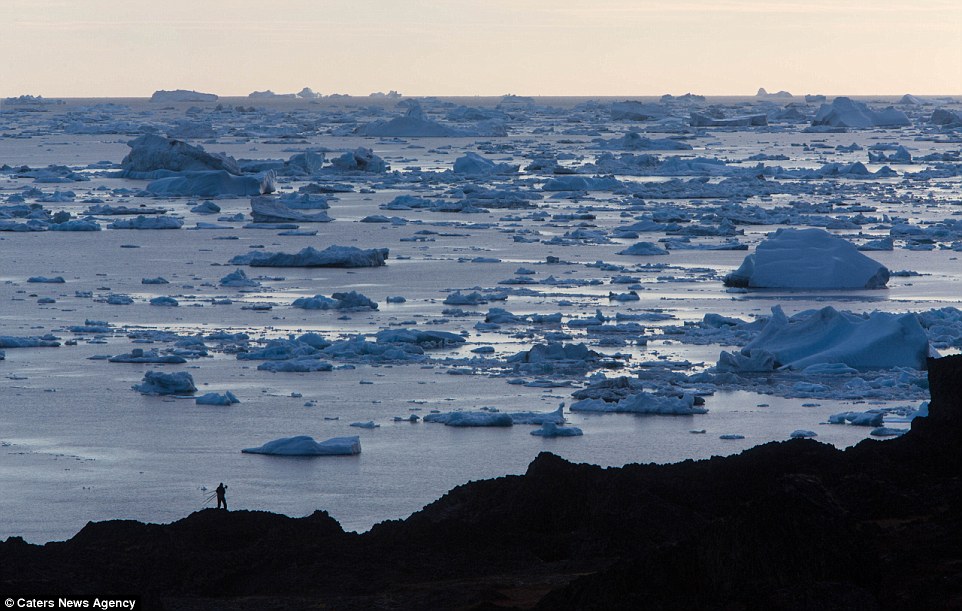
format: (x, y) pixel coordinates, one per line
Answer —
(181, 95)
(846, 112)
(416, 124)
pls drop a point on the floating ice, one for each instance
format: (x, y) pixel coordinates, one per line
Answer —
(701, 120)
(427, 340)
(368, 424)
(207, 207)
(875, 341)
(160, 383)
(476, 165)
(46, 280)
(360, 160)
(808, 259)
(117, 299)
(471, 419)
(846, 112)
(632, 110)
(885, 431)
(415, 124)
(550, 429)
(139, 355)
(562, 359)
(238, 278)
(181, 95)
(869, 418)
(47, 341)
(643, 249)
(270, 210)
(332, 256)
(148, 222)
(642, 403)
(633, 141)
(211, 184)
(150, 153)
(164, 301)
(76, 225)
(304, 445)
(296, 365)
(213, 398)
(338, 301)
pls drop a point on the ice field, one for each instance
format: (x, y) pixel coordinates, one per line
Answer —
(590, 252)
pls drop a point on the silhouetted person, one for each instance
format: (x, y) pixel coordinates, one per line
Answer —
(222, 496)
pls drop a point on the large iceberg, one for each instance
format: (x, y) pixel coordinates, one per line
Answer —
(332, 256)
(303, 445)
(808, 259)
(846, 112)
(182, 95)
(212, 183)
(150, 153)
(874, 341)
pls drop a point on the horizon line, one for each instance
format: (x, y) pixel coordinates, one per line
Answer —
(286, 95)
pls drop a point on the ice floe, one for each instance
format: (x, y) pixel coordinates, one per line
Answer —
(160, 383)
(304, 445)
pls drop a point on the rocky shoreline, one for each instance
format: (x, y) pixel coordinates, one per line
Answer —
(788, 525)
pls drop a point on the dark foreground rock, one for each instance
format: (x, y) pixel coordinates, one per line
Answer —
(794, 525)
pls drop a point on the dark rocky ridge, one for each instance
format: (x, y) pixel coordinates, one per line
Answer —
(787, 525)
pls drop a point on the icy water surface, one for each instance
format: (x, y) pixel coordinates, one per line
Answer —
(79, 444)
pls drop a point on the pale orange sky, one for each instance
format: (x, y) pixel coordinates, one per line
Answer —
(114, 48)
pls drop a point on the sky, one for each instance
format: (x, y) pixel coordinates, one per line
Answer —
(130, 48)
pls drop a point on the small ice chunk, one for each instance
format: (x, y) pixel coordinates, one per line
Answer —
(550, 429)
(160, 383)
(213, 398)
(370, 424)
